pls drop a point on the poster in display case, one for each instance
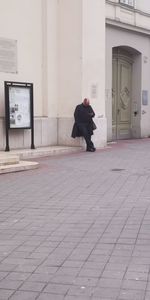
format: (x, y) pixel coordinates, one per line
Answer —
(19, 108)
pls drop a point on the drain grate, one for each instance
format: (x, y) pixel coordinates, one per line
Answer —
(117, 170)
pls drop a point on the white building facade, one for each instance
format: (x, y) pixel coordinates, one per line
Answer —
(72, 49)
(127, 69)
(61, 50)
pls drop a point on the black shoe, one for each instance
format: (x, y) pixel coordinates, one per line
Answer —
(90, 150)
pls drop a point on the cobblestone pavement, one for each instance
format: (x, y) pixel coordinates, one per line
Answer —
(78, 227)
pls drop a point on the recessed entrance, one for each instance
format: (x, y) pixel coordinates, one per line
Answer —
(121, 94)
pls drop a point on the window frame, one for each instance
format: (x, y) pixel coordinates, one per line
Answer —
(127, 4)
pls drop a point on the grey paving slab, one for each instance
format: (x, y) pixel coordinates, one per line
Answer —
(78, 226)
(45, 296)
(78, 297)
(23, 295)
(5, 294)
(127, 294)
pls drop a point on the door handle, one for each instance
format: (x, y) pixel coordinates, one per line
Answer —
(118, 111)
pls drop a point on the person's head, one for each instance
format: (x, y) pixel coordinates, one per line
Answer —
(86, 102)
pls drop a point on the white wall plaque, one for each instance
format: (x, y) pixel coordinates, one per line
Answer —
(144, 97)
(94, 91)
(8, 55)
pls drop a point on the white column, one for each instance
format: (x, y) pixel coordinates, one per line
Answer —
(47, 124)
(82, 64)
(70, 66)
(93, 63)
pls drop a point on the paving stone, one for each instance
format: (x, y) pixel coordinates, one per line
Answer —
(5, 294)
(22, 295)
(3, 275)
(138, 268)
(147, 296)
(32, 286)
(82, 232)
(73, 263)
(113, 274)
(133, 284)
(110, 283)
(77, 298)
(10, 284)
(18, 276)
(85, 281)
(56, 289)
(40, 277)
(64, 279)
(138, 276)
(45, 296)
(106, 293)
(46, 270)
(148, 286)
(67, 271)
(131, 295)
(7, 267)
(80, 291)
(85, 272)
(25, 268)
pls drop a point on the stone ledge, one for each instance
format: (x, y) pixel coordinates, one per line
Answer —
(7, 159)
(44, 151)
(21, 166)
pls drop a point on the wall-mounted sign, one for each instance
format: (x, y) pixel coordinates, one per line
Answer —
(94, 91)
(8, 55)
(144, 97)
(19, 108)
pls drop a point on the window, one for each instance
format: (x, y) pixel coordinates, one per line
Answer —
(127, 2)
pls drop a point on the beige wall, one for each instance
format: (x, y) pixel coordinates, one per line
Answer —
(93, 52)
(50, 58)
(82, 63)
(33, 24)
(81, 54)
(17, 23)
(69, 56)
(61, 49)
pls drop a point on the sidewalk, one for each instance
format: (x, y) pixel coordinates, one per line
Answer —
(78, 227)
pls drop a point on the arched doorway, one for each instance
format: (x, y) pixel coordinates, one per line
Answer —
(121, 93)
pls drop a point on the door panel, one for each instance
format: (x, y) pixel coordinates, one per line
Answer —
(121, 98)
(114, 99)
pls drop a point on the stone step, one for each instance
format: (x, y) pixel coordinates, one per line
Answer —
(13, 161)
(45, 151)
(7, 159)
(21, 166)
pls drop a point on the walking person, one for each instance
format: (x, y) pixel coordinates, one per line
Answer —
(84, 124)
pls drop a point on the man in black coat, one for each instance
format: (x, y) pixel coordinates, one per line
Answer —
(84, 124)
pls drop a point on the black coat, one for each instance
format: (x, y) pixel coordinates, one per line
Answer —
(83, 117)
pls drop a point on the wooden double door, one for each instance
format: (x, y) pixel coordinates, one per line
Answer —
(121, 96)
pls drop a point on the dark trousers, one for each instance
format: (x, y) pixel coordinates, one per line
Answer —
(85, 131)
